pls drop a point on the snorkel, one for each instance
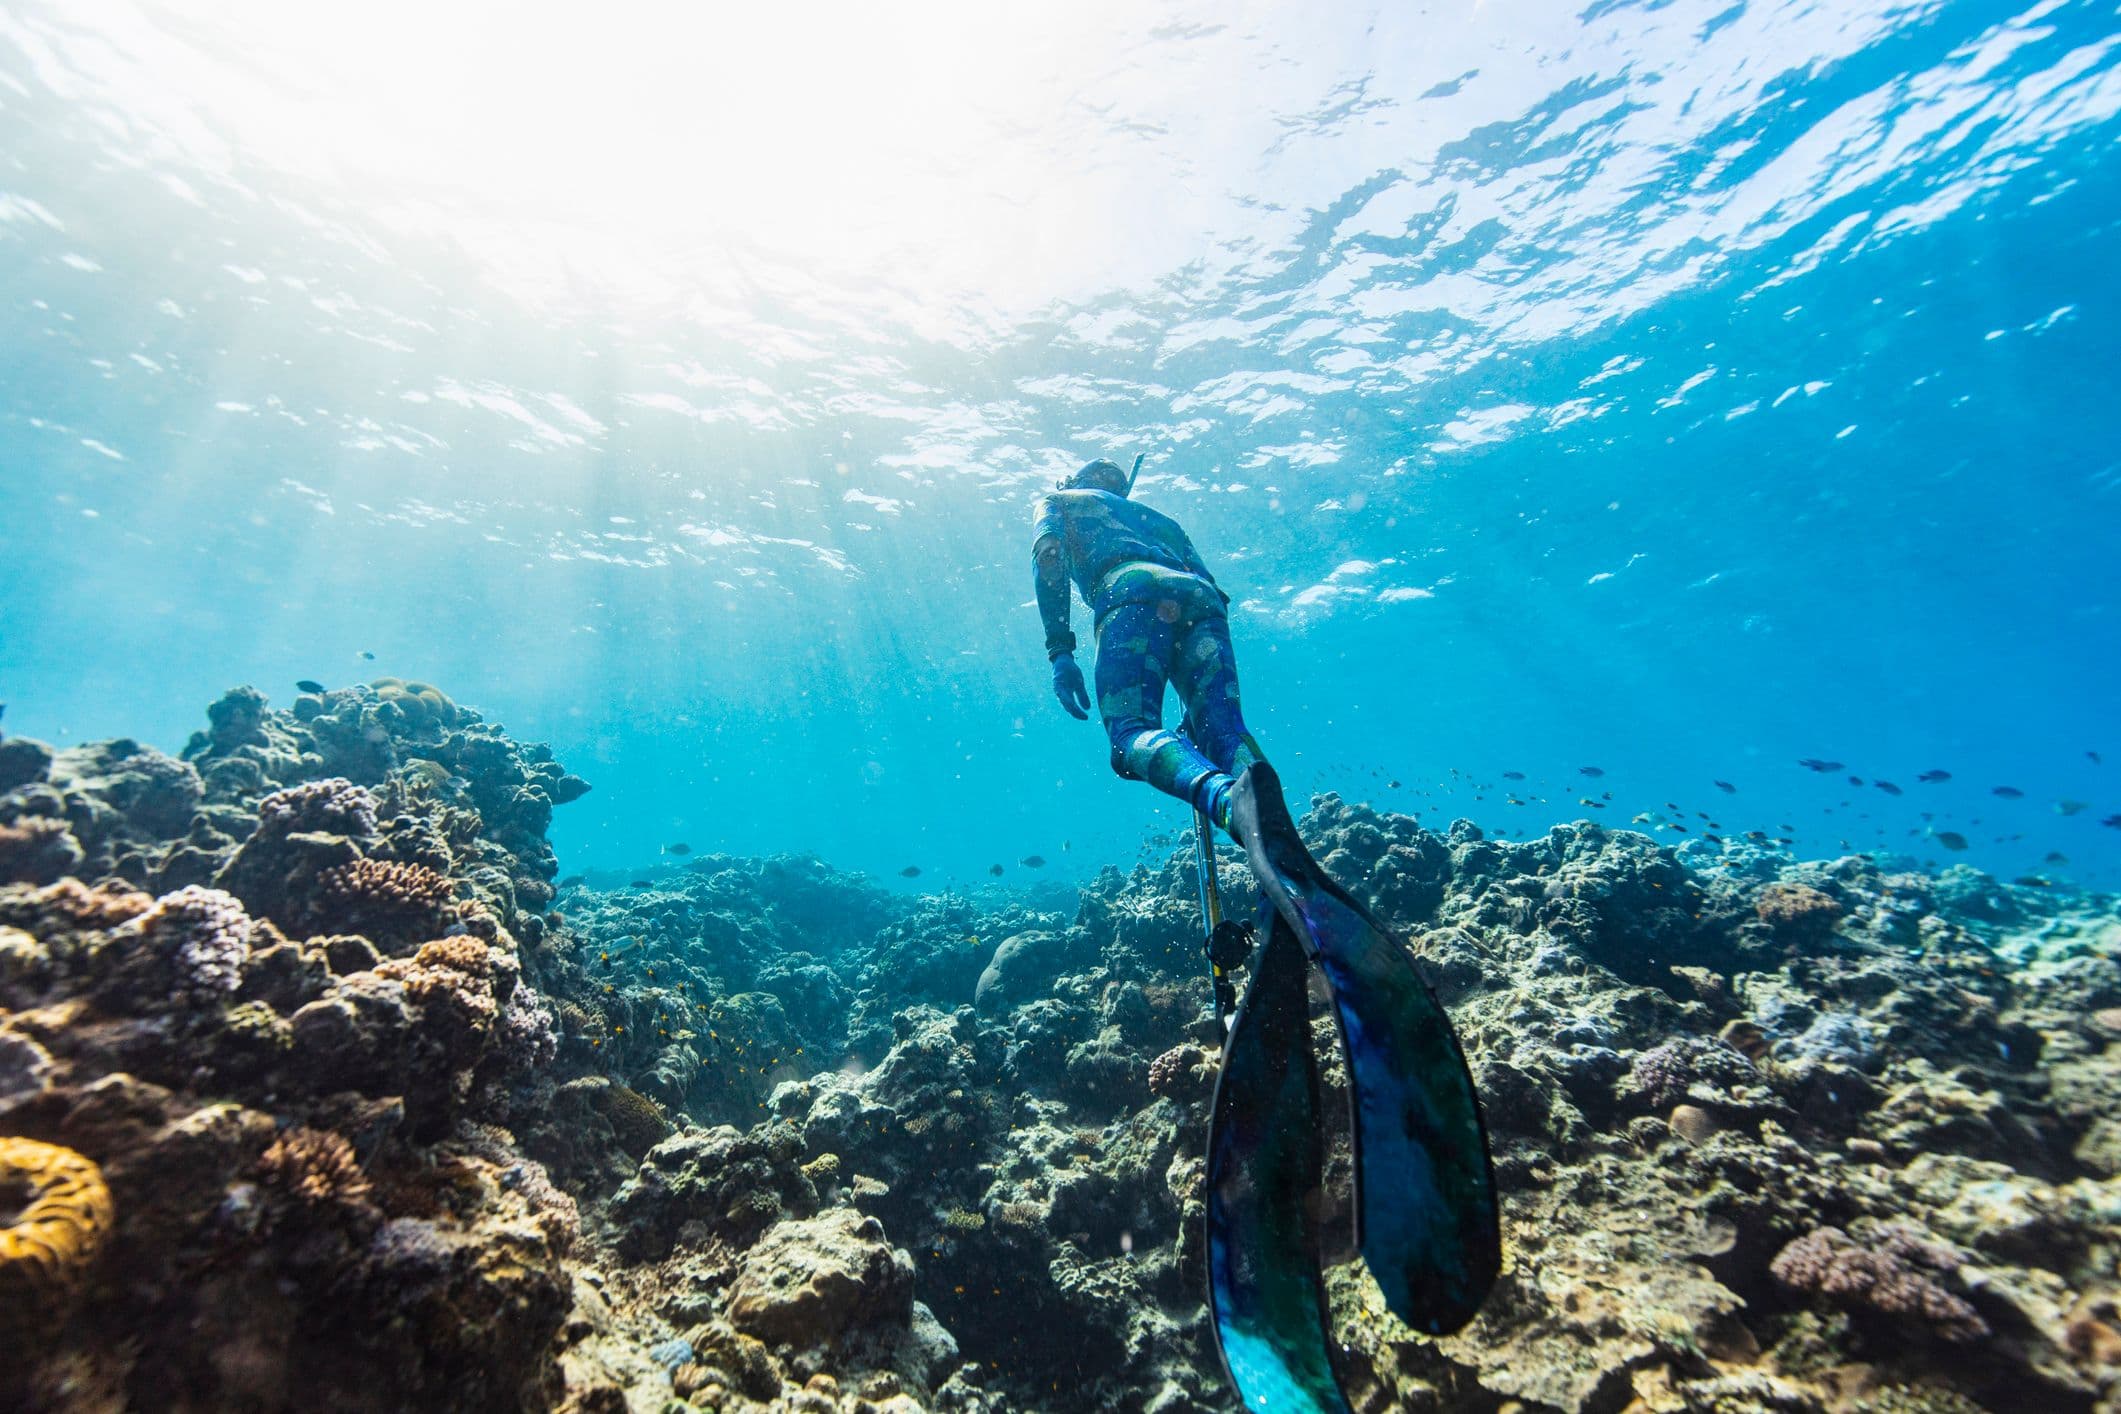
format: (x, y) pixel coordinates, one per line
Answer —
(1136, 472)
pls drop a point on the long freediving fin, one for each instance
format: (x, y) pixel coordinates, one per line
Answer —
(1426, 1217)
(1264, 1169)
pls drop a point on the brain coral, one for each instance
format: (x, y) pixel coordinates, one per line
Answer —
(58, 1215)
(423, 705)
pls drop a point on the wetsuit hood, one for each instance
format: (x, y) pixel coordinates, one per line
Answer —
(1100, 475)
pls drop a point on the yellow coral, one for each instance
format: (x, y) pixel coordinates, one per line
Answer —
(59, 1213)
(636, 1120)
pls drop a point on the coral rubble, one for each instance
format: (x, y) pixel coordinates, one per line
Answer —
(309, 1095)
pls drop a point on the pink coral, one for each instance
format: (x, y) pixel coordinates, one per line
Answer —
(1896, 1272)
(202, 934)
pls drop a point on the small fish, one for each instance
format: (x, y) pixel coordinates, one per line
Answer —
(1066, 846)
(2070, 807)
(1726, 787)
(1887, 786)
(1033, 861)
(2033, 881)
(573, 881)
(1950, 839)
(1813, 763)
(308, 685)
(679, 848)
(1392, 785)
(2008, 792)
(368, 655)
(2112, 822)
(2091, 754)
(1591, 771)
(1854, 781)
(644, 883)
(1713, 839)
(911, 871)
(1931, 778)
(996, 870)
(2055, 856)
(1513, 775)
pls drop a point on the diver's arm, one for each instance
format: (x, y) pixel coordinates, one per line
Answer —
(1051, 571)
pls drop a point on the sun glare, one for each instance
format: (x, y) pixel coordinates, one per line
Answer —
(948, 147)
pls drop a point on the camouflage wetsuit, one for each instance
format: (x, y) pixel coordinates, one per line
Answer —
(1159, 618)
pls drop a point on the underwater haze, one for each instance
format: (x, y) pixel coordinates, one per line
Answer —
(545, 866)
(1681, 390)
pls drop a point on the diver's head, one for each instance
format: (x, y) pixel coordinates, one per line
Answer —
(1100, 475)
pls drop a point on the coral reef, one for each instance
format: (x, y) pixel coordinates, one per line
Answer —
(58, 1216)
(377, 1128)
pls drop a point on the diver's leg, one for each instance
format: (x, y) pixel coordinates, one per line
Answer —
(1204, 671)
(1134, 648)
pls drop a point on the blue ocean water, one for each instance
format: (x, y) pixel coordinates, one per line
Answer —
(1680, 390)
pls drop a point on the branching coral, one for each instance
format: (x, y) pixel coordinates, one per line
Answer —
(58, 1215)
(334, 806)
(385, 897)
(1666, 1072)
(316, 1166)
(1896, 1272)
(452, 976)
(200, 937)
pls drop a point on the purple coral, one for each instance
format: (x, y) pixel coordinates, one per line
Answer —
(1896, 1272)
(1666, 1072)
(204, 934)
(335, 806)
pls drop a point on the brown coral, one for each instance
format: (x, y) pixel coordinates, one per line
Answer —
(37, 850)
(452, 976)
(1797, 909)
(423, 704)
(317, 1166)
(636, 1121)
(385, 898)
(58, 1215)
(71, 905)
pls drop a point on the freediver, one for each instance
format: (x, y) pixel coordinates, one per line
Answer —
(1157, 618)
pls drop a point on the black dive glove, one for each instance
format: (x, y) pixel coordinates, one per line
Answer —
(1069, 687)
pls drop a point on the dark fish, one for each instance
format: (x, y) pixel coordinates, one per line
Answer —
(2070, 807)
(644, 883)
(1813, 763)
(1066, 846)
(573, 881)
(1887, 786)
(2008, 792)
(308, 685)
(2033, 881)
(1513, 775)
(1680, 829)
(1930, 778)
(1713, 839)
(368, 655)
(1854, 781)
(995, 870)
(1951, 839)
(1393, 784)
(1033, 861)
(911, 871)
(2055, 856)
(2112, 822)
(1591, 770)
(2094, 757)
(679, 848)
(1726, 787)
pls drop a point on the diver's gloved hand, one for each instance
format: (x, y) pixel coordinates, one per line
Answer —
(1069, 687)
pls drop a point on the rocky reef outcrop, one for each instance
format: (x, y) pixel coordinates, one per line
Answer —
(313, 1089)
